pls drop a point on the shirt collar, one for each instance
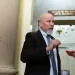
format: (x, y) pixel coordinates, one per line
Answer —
(43, 33)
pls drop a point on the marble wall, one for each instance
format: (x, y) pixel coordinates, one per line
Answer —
(9, 10)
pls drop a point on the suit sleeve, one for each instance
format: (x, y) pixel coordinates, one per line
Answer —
(30, 53)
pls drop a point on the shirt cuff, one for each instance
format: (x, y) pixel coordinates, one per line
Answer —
(48, 52)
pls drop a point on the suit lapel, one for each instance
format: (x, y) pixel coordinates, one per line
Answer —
(40, 37)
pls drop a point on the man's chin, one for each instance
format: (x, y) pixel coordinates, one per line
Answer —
(49, 32)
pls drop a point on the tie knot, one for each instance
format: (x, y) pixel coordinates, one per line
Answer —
(48, 36)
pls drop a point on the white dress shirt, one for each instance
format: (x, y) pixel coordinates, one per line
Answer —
(55, 53)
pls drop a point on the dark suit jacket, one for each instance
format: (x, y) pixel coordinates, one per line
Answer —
(35, 56)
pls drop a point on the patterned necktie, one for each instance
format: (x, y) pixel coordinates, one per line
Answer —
(52, 58)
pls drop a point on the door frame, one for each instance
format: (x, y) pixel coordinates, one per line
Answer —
(64, 22)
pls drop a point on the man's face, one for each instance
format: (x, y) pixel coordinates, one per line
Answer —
(47, 23)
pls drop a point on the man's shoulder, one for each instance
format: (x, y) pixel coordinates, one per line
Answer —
(35, 33)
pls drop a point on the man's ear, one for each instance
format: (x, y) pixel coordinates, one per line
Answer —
(39, 22)
(40, 25)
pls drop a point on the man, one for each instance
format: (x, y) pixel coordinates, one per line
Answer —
(36, 49)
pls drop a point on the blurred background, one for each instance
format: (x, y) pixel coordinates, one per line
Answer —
(17, 17)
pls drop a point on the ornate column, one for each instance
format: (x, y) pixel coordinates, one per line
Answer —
(23, 27)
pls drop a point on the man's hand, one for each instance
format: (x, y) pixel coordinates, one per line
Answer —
(53, 44)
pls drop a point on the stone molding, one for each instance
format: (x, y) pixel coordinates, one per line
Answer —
(8, 70)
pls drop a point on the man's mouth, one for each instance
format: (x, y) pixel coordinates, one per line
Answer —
(50, 28)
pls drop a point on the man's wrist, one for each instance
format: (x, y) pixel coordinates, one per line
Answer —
(47, 49)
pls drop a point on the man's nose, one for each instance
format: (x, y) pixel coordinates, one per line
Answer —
(52, 23)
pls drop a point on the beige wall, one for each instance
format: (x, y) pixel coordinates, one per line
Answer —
(15, 20)
(8, 27)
